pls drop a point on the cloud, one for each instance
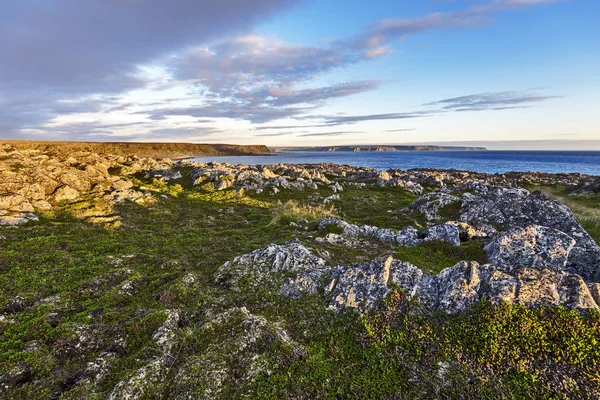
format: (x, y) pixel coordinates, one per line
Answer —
(400, 130)
(72, 49)
(475, 102)
(352, 119)
(274, 134)
(70, 57)
(86, 46)
(492, 101)
(339, 133)
(278, 127)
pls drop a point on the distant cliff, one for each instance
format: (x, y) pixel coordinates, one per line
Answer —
(383, 148)
(154, 150)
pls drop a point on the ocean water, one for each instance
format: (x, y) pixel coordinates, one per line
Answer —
(585, 162)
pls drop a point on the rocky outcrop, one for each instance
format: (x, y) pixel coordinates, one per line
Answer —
(261, 267)
(516, 208)
(533, 246)
(455, 289)
(32, 181)
(533, 278)
(407, 237)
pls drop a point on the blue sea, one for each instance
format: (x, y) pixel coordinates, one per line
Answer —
(585, 162)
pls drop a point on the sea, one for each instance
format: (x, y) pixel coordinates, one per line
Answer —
(585, 162)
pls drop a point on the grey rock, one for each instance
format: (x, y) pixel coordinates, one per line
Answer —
(532, 246)
(361, 286)
(444, 232)
(263, 265)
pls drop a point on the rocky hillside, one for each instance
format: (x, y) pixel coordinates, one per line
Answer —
(153, 150)
(135, 278)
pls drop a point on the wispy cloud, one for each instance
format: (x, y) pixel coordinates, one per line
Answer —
(352, 119)
(339, 133)
(492, 101)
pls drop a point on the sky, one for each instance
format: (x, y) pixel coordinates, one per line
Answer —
(506, 74)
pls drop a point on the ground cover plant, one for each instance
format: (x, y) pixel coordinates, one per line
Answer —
(78, 289)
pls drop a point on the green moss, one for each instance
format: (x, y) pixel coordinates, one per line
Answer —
(489, 352)
(378, 206)
(451, 211)
(434, 256)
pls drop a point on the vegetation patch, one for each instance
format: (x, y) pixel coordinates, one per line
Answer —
(294, 211)
(433, 256)
(451, 211)
(489, 352)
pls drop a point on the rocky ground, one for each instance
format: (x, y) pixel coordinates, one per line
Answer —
(127, 277)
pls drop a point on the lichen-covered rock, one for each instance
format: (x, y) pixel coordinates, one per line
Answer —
(444, 232)
(262, 266)
(518, 208)
(532, 246)
(235, 358)
(454, 289)
(361, 286)
(304, 284)
(469, 232)
(586, 261)
(406, 237)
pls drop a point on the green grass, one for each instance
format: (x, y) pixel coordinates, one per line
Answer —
(451, 211)
(491, 351)
(378, 206)
(294, 211)
(434, 256)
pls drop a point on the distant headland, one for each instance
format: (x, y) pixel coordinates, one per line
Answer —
(380, 148)
(141, 149)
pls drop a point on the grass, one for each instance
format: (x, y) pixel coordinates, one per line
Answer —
(294, 211)
(451, 211)
(490, 352)
(434, 256)
(72, 273)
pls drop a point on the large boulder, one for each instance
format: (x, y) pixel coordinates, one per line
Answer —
(532, 246)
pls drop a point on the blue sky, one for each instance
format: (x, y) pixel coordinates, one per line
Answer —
(504, 73)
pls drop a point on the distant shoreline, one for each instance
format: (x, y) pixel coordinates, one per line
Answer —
(142, 149)
(374, 148)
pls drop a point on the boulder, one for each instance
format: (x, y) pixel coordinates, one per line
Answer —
(444, 232)
(532, 246)
(66, 193)
(262, 267)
